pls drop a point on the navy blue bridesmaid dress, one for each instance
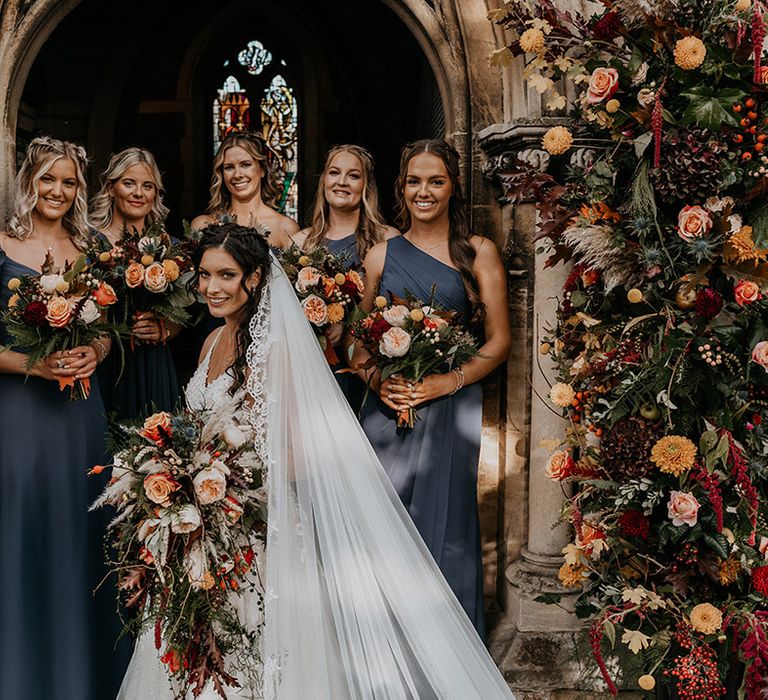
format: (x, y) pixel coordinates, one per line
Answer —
(351, 385)
(56, 640)
(433, 466)
(138, 381)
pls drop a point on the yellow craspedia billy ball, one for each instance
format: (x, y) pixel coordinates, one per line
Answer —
(690, 52)
(612, 106)
(13, 301)
(557, 140)
(646, 682)
(105, 256)
(62, 287)
(544, 348)
(532, 41)
(147, 260)
(339, 278)
(634, 296)
(417, 315)
(14, 283)
(742, 5)
(304, 260)
(380, 302)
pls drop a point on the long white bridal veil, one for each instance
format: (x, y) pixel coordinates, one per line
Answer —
(355, 606)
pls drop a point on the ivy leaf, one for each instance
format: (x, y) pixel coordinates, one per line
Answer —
(710, 109)
(548, 598)
(718, 544)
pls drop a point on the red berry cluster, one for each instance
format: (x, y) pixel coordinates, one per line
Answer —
(685, 558)
(751, 139)
(696, 674)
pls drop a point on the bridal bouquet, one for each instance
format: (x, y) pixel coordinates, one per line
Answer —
(58, 311)
(150, 271)
(408, 338)
(327, 290)
(191, 514)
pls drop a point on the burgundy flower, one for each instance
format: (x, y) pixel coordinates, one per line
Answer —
(633, 523)
(760, 579)
(378, 328)
(607, 27)
(34, 313)
(708, 303)
(350, 288)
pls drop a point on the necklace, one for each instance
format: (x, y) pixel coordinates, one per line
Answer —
(431, 248)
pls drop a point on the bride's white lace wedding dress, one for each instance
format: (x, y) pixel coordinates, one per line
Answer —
(355, 606)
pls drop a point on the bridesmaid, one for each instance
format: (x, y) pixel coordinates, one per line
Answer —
(131, 197)
(243, 186)
(434, 466)
(48, 633)
(346, 219)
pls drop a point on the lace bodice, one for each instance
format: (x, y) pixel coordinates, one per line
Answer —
(213, 397)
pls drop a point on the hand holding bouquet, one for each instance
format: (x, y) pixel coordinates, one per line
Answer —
(191, 512)
(150, 271)
(326, 289)
(407, 338)
(57, 312)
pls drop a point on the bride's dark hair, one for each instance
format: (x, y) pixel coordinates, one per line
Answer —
(250, 251)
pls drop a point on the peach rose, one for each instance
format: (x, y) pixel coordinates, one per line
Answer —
(59, 312)
(171, 269)
(105, 295)
(745, 292)
(394, 343)
(308, 277)
(396, 315)
(134, 275)
(760, 354)
(155, 279)
(159, 488)
(602, 85)
(315, 309)
(559, 466)
(156, 427)
(210, 486)
(683, 508)
(692, 223)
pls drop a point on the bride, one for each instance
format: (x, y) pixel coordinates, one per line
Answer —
(354, 606)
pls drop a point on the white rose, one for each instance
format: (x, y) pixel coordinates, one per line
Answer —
(394, 343)
(210, 486)
(646, 97)
(734, 222)
(717, 204)
(89, 312)
(186, 519)
(640, 74)
(396, 315)
(50, 282)
(234, 437)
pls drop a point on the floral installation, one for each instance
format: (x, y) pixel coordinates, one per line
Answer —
(409, 338)
(327, 288)
(151, 272)
(191, 515)
(57, 311)
(655, 196)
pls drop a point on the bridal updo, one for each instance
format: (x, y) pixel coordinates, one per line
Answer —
(250, 250)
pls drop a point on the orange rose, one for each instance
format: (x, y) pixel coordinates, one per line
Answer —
(155, 279)
(693, 223)
(357, 279)
(171, 270)
(602, 84)
(559, 466)
(59, 312)
(315, 309)
(335, 313)
(156, 426)
(105, 295)
(134, 275)
(745, 292)
(159, 488)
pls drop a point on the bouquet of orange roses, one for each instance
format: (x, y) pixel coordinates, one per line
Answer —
(411, 339)
(327, 289)
(58, 311)
(191, 517)
(151, 272)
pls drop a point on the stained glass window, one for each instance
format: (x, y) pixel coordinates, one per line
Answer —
(255, 80)
(280, 120)
(254, 57)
